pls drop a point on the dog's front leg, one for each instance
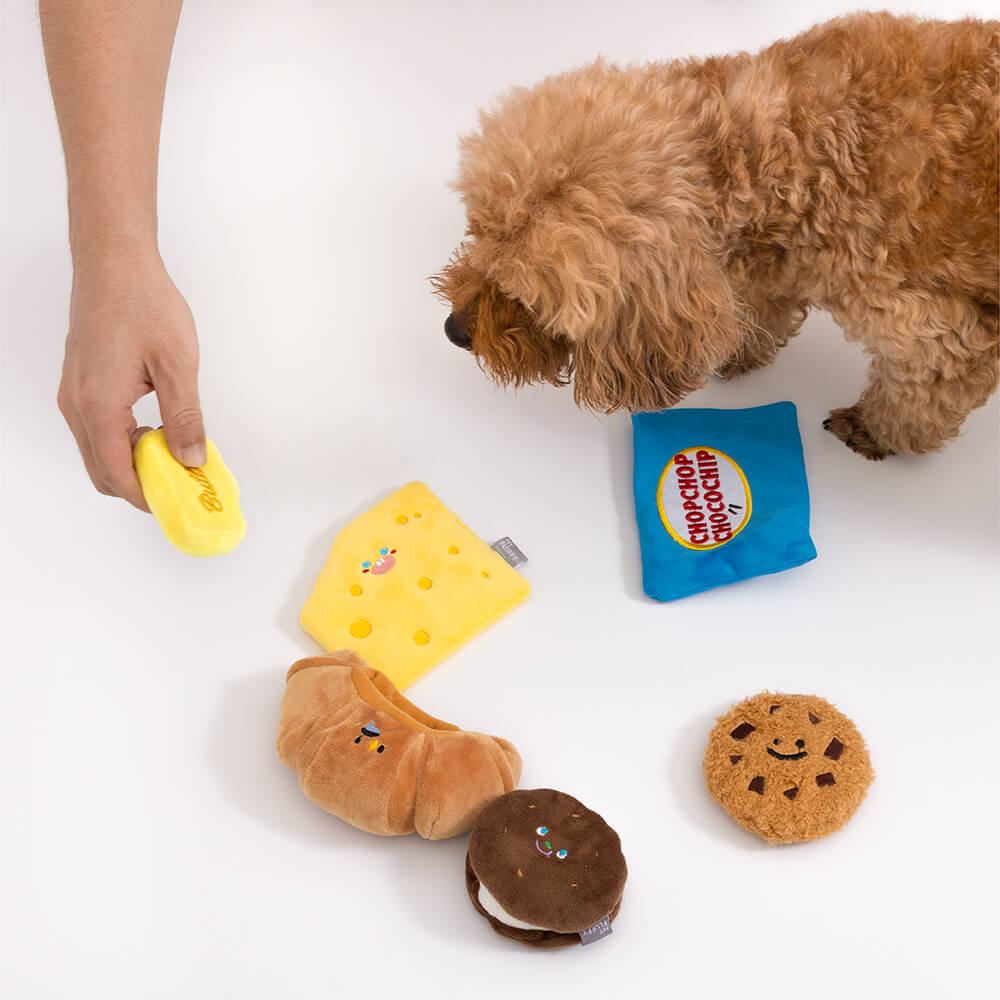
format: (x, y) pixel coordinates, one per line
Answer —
(917, 397)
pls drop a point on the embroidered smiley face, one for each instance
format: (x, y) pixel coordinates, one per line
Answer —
(788, 756)
(788, 767)
(546, 845)
(759, 783)
(385, 561)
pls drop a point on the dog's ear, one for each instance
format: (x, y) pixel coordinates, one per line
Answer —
(647, 308)
(676, 323)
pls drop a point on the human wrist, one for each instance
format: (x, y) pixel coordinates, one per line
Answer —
(107, 249)
(107, 227)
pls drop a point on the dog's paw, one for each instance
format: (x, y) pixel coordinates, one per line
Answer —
(846, 424)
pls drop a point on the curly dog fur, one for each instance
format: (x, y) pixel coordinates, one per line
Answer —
(637, 230)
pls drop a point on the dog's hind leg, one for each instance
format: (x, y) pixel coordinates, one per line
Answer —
(922, 383)
(769, 324)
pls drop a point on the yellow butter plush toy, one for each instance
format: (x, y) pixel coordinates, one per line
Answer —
(406, 584)
(198, 509)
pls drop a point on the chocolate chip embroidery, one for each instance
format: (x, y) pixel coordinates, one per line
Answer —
(757, 785)
(834, 750)
(813, 719)
(791, 792)
(825, 779)
(773, 709)
(741, 732)
(735, 758)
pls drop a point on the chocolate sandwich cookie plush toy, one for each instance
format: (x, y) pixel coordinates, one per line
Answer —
(544, 869)
(788, 767)
(366, 754)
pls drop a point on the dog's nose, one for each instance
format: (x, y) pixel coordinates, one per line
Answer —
(455, 332)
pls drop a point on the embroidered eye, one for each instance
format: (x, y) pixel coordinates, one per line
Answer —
(366, 564)
(383, 552)
(562, 854)
(542, 830)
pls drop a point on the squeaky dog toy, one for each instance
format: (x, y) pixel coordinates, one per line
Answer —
(545, 870)
(720, 496)
(788, 767)
(198, 509)
(406, 584)
(366, 754)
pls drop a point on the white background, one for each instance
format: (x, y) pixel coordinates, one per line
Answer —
(153, 845)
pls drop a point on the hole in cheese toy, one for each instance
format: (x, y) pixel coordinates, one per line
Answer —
(406, 584)
(198, 509)
(366, 754)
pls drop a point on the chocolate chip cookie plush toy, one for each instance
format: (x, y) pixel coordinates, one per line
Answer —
(366, 754)
(544, 869)
(788, 767)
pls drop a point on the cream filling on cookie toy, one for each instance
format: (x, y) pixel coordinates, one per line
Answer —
(494, 909)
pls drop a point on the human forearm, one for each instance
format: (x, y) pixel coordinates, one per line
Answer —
(130, 330)
(107, 63)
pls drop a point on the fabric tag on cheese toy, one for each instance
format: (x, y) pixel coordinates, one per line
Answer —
(720, 496)
(406, 584)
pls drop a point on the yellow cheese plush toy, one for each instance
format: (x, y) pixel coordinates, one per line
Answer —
(406, 584)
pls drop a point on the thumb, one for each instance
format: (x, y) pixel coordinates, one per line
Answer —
(180, 411)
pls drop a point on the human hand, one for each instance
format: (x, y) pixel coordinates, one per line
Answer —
(130, 333)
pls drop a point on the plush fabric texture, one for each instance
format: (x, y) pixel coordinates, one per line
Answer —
(788, 767)
(198, 509)
(637, 230)
(564, 879)
(406, 584)
(366, 754)
(720, 496)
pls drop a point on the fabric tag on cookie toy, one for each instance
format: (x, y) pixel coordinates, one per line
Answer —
(600, 930)
(720, 496)
(406, 584)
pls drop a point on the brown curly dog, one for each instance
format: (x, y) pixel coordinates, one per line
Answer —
(638, 230)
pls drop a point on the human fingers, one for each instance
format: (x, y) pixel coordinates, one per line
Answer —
(111, 431)
(70, 413)
(176, 385)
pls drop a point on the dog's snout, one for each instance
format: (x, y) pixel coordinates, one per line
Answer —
(455, 332)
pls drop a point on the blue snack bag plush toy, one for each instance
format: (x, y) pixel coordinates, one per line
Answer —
(720, 496)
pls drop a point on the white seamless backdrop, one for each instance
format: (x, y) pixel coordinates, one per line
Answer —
(152, 844)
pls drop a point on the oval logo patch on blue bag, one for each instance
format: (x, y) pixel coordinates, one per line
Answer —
(704, 498)
(720, 496)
